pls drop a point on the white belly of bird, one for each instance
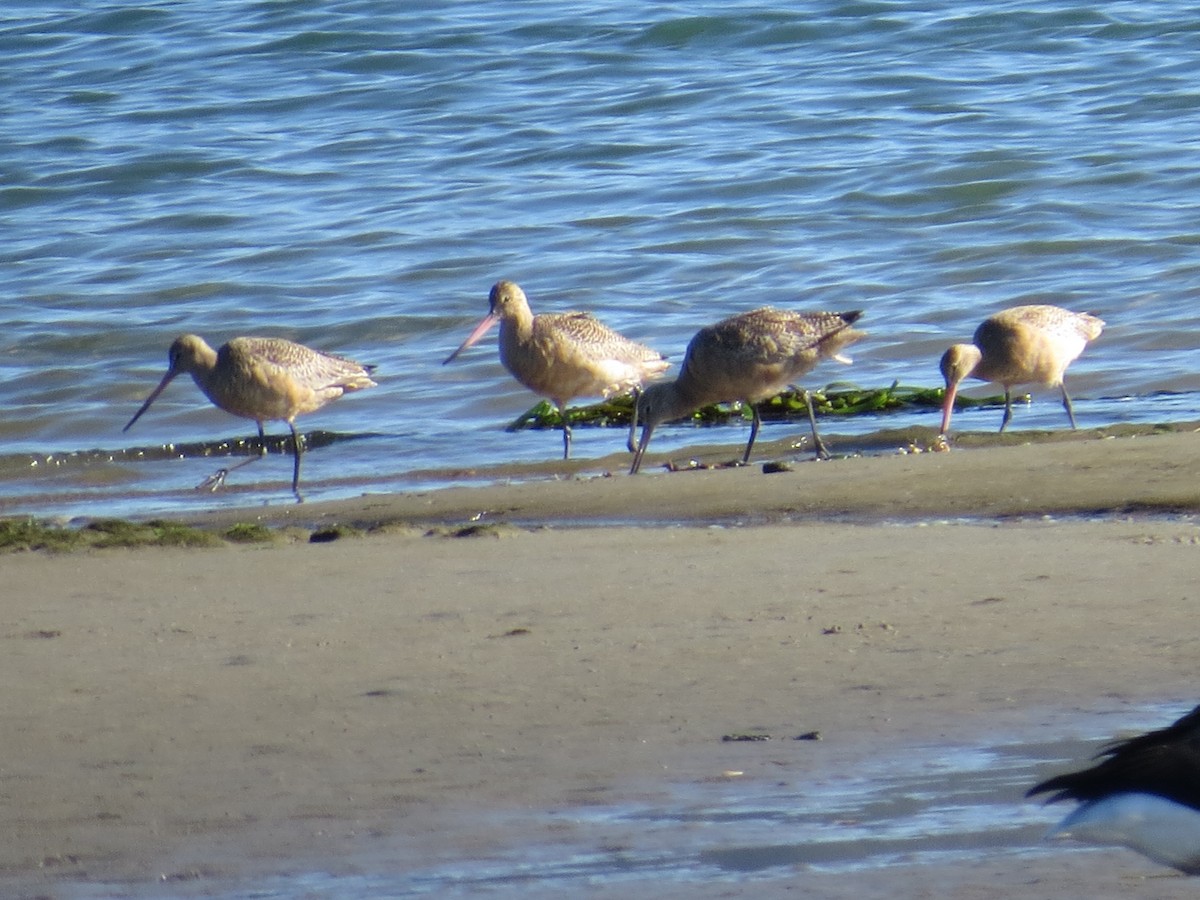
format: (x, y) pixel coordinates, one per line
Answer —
(1165, 831)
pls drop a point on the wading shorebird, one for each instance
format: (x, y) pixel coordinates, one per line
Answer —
(1020, 345)
(262, 379)
(561, 356)
(748, 357)
(1144, 795)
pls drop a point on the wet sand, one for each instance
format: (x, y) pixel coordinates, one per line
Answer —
(244, 710)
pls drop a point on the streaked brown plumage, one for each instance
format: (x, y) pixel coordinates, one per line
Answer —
(1020, 345)
(749, 357)
(562, 356)
(262, 379)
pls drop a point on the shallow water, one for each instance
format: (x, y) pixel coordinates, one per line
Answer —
(355, 175)
(927, 805)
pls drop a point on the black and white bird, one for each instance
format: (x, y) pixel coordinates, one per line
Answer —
(1144, 794)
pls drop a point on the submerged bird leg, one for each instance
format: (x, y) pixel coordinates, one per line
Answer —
(1067, 403)
(1007, 408)
(216, 480)
(297, 449)
(821, 452)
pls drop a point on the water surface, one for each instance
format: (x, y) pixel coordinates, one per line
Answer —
(355, 175)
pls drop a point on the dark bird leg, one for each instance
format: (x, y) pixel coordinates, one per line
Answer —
(821, 452)
(216, 480)
(566, 426)
(631, 443)
(1067, 403)
(297, 449)
(753, 433)
(1007, 408)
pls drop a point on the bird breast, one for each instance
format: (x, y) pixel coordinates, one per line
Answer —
(253, 392)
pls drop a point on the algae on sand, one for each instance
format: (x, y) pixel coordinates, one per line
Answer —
(838, 399)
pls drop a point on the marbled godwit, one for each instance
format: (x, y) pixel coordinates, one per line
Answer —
(747, 357)
(260, 379)
(1020, 345)
(1144, 795)
(562, 356)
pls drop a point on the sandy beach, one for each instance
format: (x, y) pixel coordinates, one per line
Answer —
(214, 713)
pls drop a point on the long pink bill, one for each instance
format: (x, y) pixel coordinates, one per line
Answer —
(480, 330)
(153, 396)
(948, 407)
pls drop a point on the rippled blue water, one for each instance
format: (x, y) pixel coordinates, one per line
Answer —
(355, 175)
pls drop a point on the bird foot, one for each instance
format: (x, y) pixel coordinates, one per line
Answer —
(820, 451)
(214, 482)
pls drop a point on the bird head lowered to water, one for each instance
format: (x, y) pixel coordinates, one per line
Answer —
(748, 356)
(1020, 345)
(654, 404)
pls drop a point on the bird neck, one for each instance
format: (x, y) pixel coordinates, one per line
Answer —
(201, 364)
(516, 321)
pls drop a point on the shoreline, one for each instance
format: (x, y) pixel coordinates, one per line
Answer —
(249, 709)
(1053, 473)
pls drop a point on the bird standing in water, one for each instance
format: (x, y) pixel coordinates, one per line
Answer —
(562, 356)
(1020, 345)
(749, 357)
(262, 379)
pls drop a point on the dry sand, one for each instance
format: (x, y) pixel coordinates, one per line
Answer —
(242, 710)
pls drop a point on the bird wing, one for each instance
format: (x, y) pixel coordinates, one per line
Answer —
(766, 335)
(585, 332)
(1165, 762)
(316, 370)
